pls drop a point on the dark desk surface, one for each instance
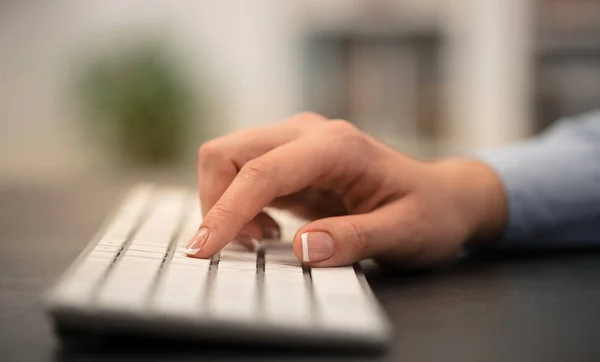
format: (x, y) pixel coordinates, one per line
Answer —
(543, 308)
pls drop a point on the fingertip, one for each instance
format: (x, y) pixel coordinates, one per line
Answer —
(190, 252)
(297, 247)
(196, 253)
(314, 248)
(304, 247)
(196, 244)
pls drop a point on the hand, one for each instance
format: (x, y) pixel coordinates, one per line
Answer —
(366, 199)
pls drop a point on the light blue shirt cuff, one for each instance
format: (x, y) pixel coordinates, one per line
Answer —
(552, 186)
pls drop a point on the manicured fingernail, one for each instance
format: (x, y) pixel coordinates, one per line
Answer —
(197, 242)
(316, 246)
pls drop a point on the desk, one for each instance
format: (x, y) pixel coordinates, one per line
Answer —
(543, 308)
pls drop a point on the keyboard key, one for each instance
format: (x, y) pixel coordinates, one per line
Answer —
(186, 260)
(77, 288)
(341, 301)
(102, 254)
(147, 248)
(128, 285)
(147, 254)
(181, 289)
(281, 255)
(285, 293)
(239, 257)
(233, 295)
(190, 226)
(160, 226)
(126, 217)
(107, 248)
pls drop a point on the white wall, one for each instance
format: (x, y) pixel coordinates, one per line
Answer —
(249, 50)
(489, 99)
(245, 47)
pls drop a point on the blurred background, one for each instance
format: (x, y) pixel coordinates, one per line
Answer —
(107, 88)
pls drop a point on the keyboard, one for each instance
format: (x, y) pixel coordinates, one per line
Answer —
(135, 278)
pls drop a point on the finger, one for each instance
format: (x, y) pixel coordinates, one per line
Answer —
(270, 228)
(343, 240)
(281, 171)
(250, 235)
(312, 203)
(258, 229)
(219, 160)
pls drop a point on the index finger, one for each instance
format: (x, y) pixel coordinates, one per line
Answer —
(281, 171)
(219, 160)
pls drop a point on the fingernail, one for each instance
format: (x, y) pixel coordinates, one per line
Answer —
(197, 242)
(316, 246)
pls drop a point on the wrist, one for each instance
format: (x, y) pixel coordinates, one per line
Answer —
(478, 195)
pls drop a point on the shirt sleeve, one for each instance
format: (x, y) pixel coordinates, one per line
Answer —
(552, 186)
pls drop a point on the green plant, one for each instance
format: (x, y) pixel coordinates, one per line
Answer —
(139, 100)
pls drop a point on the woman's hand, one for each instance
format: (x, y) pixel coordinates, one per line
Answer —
(366, 199)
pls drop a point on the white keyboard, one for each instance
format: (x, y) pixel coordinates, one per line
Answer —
(135, 277)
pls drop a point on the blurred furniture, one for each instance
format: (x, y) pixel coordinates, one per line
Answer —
(539, 308)
(384, 77)
(567, 61)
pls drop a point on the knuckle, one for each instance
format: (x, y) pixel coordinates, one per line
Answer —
(261, 176)
(222, 212)
(357, 237)
(340, 126)
(208, 150)
(308, 116)
(311, 116)
(347, 134)
(257, 170)
(210, 155)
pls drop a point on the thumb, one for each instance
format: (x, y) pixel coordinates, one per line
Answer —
(343, 240)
